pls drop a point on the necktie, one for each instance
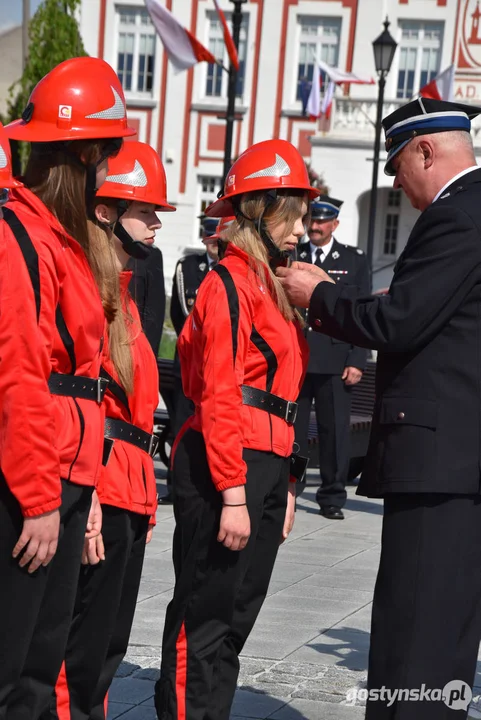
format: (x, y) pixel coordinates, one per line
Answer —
(319, 256)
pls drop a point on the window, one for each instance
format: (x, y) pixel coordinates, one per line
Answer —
(319, 40)
(391, 227)
(136, 50)
(419, 55)
(217, 78)
(209, 186)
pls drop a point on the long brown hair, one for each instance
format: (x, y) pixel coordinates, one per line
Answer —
(243, 233)
(121, 330)
(58, 177)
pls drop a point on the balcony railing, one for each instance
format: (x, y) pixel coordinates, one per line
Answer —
(354, 119)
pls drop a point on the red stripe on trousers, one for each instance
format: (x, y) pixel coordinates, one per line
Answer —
(181, 673)
(62, 695)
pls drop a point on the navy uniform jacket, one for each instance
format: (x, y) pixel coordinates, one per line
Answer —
(345, 264)
(147, 287)
(426, 433)
(189, 273)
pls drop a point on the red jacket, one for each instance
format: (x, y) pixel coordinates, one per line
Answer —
(65, 280)
(128, 480)
(237, 336)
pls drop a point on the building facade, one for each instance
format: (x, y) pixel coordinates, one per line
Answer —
(181, 115)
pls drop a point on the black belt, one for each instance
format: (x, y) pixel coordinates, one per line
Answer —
(272, 404)
(77, 386)
(121, 430)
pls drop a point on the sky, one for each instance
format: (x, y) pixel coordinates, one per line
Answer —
(11, 12)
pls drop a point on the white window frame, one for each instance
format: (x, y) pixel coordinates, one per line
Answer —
(415, 36)
(393, 205)
(137, 28)
(325, 49)
(212, 17)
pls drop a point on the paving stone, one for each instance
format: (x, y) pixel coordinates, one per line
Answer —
(148, 674)
(116, 709)
(301, 670)
(314, 693)
(127, 668)
(335, 682)
(141, 712)
(130, 690)
(255, 705)
(270, 687)
(299, 709)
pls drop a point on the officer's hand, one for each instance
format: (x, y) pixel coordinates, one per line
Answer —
(38, 540)
(351, 375)
(93, 551)
(309, 267)
(299, 284)
(94, 522)
(290, 511)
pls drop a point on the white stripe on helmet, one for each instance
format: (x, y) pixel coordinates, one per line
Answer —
(135, 177)
(279, 169)
(114, 112)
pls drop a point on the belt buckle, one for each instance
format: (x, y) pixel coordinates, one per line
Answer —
(291, 412)
(153, 445)
(100, 389)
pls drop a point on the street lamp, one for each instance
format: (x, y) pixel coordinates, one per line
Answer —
(231, 92)
(384, 49)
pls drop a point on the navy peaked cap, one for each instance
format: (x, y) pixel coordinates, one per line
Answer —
(423, 117)
(325, 208)
(209, 226)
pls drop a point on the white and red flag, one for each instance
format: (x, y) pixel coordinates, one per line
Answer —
(228, 39)
(183, 49)
(315, 107)
(341, 76)
(441, 87)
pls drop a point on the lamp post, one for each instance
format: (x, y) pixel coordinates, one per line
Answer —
(384, 49)
(231, 93)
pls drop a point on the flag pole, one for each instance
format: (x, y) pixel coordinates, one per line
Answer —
(231, 93)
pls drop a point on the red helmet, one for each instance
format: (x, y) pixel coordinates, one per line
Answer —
(223, 224)
(268, 165)
(80, 99)
(6, 178)
(137, 173)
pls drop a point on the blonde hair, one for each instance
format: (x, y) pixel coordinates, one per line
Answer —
(243, 234)
(121, 326)
(55, 175)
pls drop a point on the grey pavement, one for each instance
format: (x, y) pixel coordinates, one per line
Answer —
(306, 658)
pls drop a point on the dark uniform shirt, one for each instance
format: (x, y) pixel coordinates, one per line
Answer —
(189, 273)
(344, 264)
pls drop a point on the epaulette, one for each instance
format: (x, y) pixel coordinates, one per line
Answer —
(355, 249)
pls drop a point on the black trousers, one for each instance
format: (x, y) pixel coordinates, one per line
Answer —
(218, 593)
(426, 618)
(102, 621)
(332, 399)
(183, 409)
(36, 609)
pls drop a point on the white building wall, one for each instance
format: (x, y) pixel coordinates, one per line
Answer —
(341, 151)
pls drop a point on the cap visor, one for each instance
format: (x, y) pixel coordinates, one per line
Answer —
(388, 168)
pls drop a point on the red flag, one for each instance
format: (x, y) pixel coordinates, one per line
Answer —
(183, 49)
(441, 87)
(228, 40)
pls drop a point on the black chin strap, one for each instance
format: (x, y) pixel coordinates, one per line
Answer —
(276, 256)
(134, 248)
